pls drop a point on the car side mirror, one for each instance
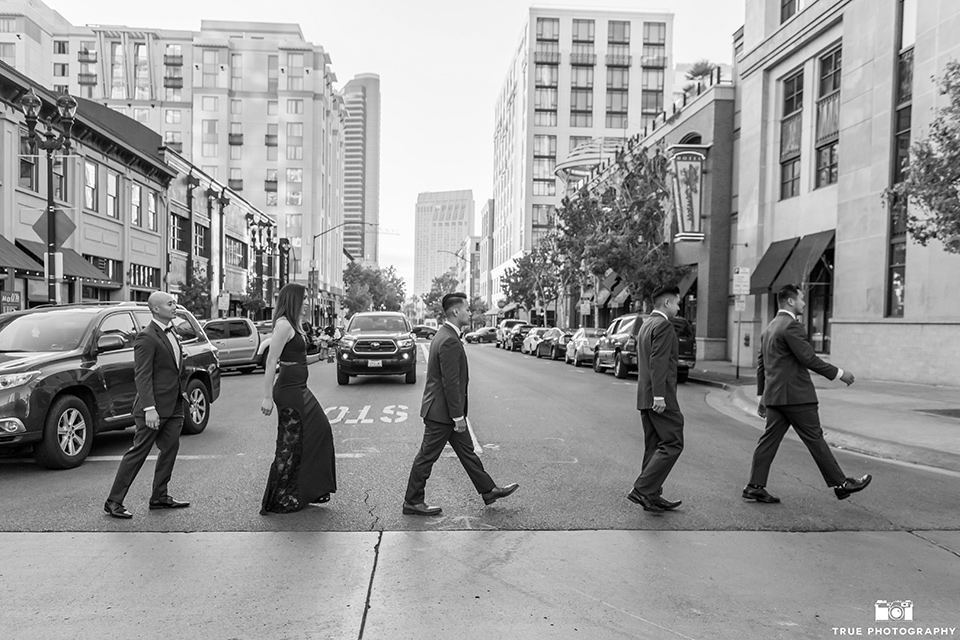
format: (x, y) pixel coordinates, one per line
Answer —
(110, 343)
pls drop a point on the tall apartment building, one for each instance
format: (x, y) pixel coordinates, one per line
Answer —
(443, 220)
(251, 104)
(576, 75)
(361, 193)
(486, 253)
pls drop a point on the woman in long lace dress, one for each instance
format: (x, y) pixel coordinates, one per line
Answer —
(304, 468)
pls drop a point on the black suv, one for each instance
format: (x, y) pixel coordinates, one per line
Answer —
(66, 373)
(618, 348)
(377, 343)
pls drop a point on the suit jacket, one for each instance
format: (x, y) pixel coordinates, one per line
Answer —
(784, 363)
(658, 350)
(445, 391)
(158, 377)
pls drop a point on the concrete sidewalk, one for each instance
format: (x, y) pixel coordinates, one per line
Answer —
(900, 421)
(465, 585)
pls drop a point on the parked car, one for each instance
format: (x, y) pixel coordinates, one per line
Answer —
(66, 374)
(424, 331)
(514, 339)
(618, 348)
(532, 339)
(503, 331)
(484, 334)
(580, 347)
(554, 343)
(240, 343)
(377, 343)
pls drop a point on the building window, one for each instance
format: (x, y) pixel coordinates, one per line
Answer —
(293, 221)
(118, 80)
(210, 103)
(789, 179)
(61, 70)
(8, 53)
(175, 137)
(584, 31)
(141, 115)
(236, 72)
(236, 152)
(828, 104)
(272, 109)
(793, 94)
(294, 141)
(271, 198)
(273, 73)
(235, 252)
(581, 107)
(548, 29)
(581, 77)
(294, 176)
(61, 47)
(897, 279)
(201, 246)
(294, 107)
(210, 71)
(294, 72)
(113, 195)
(546, 75)
(616, 115)
(788, 8)
(60, 191)
(144, 277)
(827, 164)
(618, 32)
(210, 150)
(236, 107)
(173, 95)
(136, 192)
(178, 232)
(618, 77)
(294, 197)
(830, 73)
(172, 116)
(543, 215)
(651, 102)
(151, 210)
(91, 186)
(576, 141)
(141, 72)
(29, 170)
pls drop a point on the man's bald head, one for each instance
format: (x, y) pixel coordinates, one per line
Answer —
(163, 306)
(158, 299)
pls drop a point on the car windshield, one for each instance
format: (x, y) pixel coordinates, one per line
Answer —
(55, 330)
(385, 324)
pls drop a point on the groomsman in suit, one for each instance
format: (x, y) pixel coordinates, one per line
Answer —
(157, 409)
(658, 350)
(444, 413)
(788, 398)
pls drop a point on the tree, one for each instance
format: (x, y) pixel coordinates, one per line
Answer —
(372, 289)
(932, 182)
(195, 294)
(441, 286)
(252, 300)
(698, 71)
(477, 310)
(394, 290)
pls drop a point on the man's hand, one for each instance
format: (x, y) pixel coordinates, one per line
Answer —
(762, 410)
(460, 425)
(659, 405)
(847, 377)
(152, 419)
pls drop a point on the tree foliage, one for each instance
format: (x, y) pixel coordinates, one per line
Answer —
(477, 309)
(932, 182)
(252, 300)
(441, 286)
(372, 289)
(195, 294)
(697, 72)
(533, 279)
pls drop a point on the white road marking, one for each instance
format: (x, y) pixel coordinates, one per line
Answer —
(398, 411)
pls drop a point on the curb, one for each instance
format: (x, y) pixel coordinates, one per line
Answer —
(846, 440)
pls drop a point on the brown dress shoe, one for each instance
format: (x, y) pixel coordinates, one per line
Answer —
(421, 509)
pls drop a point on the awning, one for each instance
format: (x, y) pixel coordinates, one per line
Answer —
(803, 259)
(492, 312)
(687, 281)
(13, 258)
(507, 308)
(74, 265)
(620, 298)
(602, 296)
(770, 265)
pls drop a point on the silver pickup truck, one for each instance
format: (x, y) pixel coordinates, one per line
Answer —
(239, 342)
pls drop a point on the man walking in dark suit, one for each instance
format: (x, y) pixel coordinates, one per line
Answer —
(444, 413)
(157, 409)
(658, 350)
(788, 398)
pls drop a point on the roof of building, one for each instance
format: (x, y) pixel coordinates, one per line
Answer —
(142, 138)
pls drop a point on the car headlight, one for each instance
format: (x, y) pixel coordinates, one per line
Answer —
(403, 343)
(347, 342)
(13, 380)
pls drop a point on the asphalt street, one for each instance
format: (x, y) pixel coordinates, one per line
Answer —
(569, 436)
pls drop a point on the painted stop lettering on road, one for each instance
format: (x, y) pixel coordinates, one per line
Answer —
(391, 414)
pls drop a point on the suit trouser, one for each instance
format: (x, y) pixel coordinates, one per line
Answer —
(167, 439)
(435, 436)
(662, 444)
(805, 419)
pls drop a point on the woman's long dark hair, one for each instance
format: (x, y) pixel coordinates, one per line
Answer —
(290, 305)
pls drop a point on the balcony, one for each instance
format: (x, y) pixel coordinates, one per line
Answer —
(546, 57)
(270, 140)
(87, 78)
(87, 56)
(235, 139)
(235, 184)
(614, 60)
(173, 61)
(584, 59)
(828, 118)
(270, 185)
(176, 146)
(173, 83)
(653, 62)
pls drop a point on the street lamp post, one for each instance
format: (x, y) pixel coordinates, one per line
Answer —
(50, 141)
(315, 273)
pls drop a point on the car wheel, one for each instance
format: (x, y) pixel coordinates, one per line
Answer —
(596, 362)
(342, 378)
(197, 411)
(411, 377)
(67, 435)
(619, 369)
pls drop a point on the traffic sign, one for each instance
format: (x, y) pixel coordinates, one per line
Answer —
(740, 303)
(223, 302)
(64, 230)
(741, 281)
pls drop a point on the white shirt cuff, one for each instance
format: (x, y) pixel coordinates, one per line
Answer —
(839, 373)
(660, 398)
(458, 419)
(145, 409)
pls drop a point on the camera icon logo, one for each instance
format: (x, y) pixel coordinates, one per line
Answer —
(894, 610)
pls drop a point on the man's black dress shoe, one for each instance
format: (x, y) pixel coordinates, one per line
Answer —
(116, 510)
(667, 505)
(168, 503)
(852, 485)
(759, 494)
(648, 504)
(499, 492)
(420, 510)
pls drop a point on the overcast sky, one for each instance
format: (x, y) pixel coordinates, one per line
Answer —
(441, 64)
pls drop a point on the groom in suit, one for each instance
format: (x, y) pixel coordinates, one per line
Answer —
(788, 398)
(157, 409)
(444, 413)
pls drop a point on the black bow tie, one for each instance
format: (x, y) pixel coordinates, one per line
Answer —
(168, 329)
